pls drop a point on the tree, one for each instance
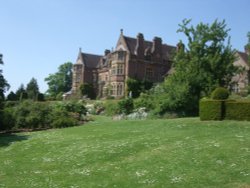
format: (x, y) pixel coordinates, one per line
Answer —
(12, 96)
(21, 93)
(32, 89)
(206, 63)
(3, 83)
(61, 81)
(3, 87)
(247, 47)
(87, 89)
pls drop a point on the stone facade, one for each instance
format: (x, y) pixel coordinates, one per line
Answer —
(132, 58)
(241, 81)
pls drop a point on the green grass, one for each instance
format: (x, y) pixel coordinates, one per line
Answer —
(152, 153)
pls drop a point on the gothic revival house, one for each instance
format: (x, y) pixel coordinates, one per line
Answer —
(241, 80)
(132, 58)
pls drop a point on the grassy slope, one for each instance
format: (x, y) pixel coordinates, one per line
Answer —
(151, 153)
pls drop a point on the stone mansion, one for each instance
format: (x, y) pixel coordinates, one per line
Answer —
(134, 58)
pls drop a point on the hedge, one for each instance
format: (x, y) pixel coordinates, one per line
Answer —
(237, 110)
(211, 109)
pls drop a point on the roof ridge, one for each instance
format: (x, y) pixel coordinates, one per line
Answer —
(92, 54)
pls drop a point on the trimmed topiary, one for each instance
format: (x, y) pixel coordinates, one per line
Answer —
(238, 110)
(211, 109)
(220, 93)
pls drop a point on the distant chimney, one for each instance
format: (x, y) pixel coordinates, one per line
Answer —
(139, 48)
(106, 52)
(157, 46)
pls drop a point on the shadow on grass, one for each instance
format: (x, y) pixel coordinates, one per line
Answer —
(6, 139)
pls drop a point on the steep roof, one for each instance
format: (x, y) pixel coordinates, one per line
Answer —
(244, 56)
(131, 43)
(90, 60)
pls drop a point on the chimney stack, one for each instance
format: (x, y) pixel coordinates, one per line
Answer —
(157, 46)
(139, 48)
(106, 52)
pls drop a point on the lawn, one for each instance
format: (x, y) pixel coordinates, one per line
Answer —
(150, 153)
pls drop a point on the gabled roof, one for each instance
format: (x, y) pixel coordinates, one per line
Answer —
(244, 56)
(90, 60)
(131, 43)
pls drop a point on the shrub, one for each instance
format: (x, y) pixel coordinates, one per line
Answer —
(64, 122)
(145, 101)
(237, 110)
(32, 115)
(211, 109)
(8, 119)
(111, 107)
(220, 93)
(126, 106)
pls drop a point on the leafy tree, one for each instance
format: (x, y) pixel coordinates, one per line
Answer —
(12, 96)
(61, 81)
(133, 86)
(136, 86)
(87, 89)
(206, 63)
(32, 89)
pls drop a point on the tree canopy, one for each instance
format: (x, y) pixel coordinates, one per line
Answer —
(61, 81)
(206, 62)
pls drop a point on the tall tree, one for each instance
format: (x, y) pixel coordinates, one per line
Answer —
(247, 47)
(21, 93)
(206, 63)
(61, 81)
(3, 83)
(32, 89)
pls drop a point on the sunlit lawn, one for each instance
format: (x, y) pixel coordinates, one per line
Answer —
(152, 153)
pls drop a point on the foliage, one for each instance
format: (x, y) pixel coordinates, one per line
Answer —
(111, 107)
(206, 63)
(220, 93)
(3, 82)
(87, 90)
(145, 100)
(40, 97)
(12, 96)
(133, 86)
(247, 47)
(20, 91)
(125, 106)
(28, 114)
(32, 89)
(210, 109)
(136, 86)
(238, 110)
(179, 153)
(61, 81)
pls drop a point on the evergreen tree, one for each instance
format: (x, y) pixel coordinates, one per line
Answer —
(20, 91)
(32, 89)
(3, 83)
(12, 96)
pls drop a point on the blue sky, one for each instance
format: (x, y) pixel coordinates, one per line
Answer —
(36, 36)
